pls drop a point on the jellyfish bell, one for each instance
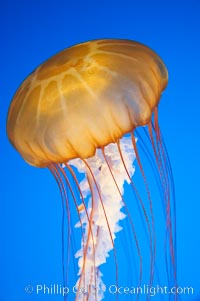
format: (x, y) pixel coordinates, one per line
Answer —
(84, 98)
(74, 111)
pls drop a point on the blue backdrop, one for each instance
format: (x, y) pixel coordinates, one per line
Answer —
(32, 31)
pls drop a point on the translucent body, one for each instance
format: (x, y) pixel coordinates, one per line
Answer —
(85, 97)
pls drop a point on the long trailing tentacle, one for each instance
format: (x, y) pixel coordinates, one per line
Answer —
(90, 223)
(165, 192)
(65, 202)
(143, 210)
(76, 204)
(150, 158)
(106, 218)
(150, 204)
(89, 220)
(167, 170)
(144, 145)
(129, 217)
(166, 177)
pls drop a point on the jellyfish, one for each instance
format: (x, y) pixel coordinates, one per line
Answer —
(90, 115)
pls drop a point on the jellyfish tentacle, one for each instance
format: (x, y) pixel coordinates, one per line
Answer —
(159, 159)
(142, 206)
(88, 240)
(74, 199)
(160, 156)
(58, 173)
(64, 200)
(168, 174)
(150, 203)
(143, 146)
(164, 189)
(106, 218)
(129, 217)
(151, 160)
(174, 207)
(86, 212)
(76, 205)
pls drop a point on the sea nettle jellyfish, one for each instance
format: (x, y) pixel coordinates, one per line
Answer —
(90, 114)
